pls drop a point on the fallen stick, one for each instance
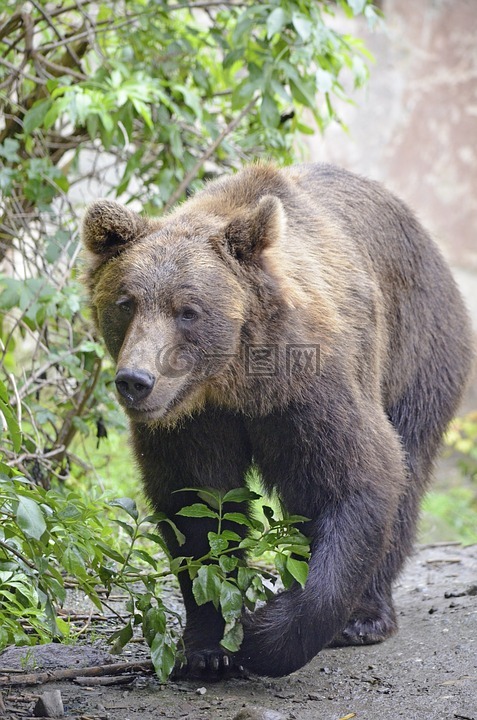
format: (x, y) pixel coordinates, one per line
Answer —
(46, 676)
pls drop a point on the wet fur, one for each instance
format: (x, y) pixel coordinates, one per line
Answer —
(306, 255)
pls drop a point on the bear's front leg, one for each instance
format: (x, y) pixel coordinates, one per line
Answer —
(200, 652)
(209, 450)
(346, 473)
(348, 540)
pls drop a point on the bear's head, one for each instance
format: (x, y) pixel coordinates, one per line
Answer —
(172, 297)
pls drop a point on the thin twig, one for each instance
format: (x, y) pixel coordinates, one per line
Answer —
(58, 69)
(205, 4)
(17, 398)
(18, 71)
(17, 554)
(46, 16)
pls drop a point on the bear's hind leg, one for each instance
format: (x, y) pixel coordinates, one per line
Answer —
(420, 418)
(372, 621)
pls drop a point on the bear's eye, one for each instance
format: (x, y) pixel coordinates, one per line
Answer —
(188, 314)
(125, 305)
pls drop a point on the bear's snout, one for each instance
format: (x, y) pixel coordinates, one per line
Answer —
(134, 385)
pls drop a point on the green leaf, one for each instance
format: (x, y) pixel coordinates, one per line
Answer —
(9, 150)
(128, 529)
(245, 576)
(292, 519)
(232, 57)
(98, 350)
(154, 618)
(213, 498)
(243, 93)
(35, 115)
(206, 585)
(302, 92)
(227, 563)
(298, 569)
(73, 562)
(302, 25)
(217, 543)
(231, 535)
(231, 601)
(197, 510)
(357, 6)
(277, 19)
(120, 638)
(243, 28)
(3, 392)
(269, 112)
(127, 504)
(233, 637)
(191, 99)
(324, 80)
(145, 557)
(238, 518)
(142, 110)
(180, 537)
(12, 424)
(238, 495)
(30, 518)
(280, 561)
(163, 656)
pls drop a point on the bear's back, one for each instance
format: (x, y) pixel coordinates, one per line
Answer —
(354, 248)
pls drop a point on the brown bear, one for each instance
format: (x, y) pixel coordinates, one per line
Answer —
(300, 319)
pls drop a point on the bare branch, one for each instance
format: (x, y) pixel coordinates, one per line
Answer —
(69, 49)
(19, 71)
(207, 154)
(69, 673)
(207, 4)
(58, 69)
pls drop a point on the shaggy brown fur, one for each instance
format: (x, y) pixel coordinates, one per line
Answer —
(306, 256)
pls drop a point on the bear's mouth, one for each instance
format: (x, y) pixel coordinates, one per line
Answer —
(158, 412)
(149, 415)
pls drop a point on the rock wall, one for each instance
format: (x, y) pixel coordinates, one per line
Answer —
(414, 126)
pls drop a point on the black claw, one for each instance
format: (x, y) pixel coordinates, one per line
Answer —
(211, 665)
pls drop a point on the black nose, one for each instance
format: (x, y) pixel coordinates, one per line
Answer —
(134, 385)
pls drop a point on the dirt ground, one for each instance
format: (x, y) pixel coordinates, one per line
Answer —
(429, 670)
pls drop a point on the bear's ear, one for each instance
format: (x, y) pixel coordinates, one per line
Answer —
(108, 227)
(249, 234)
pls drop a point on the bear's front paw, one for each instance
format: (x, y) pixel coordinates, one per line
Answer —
(208, 665)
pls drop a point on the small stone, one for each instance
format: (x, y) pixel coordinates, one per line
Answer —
(201, 691)
(49, 704)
